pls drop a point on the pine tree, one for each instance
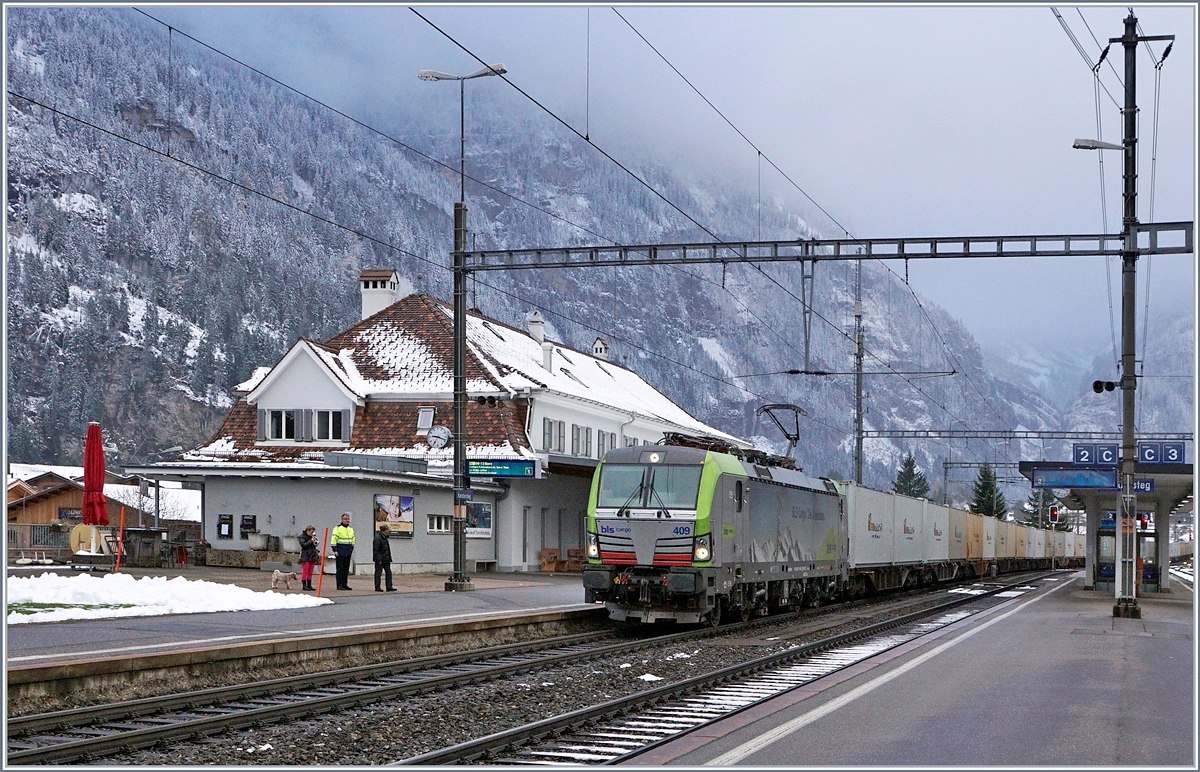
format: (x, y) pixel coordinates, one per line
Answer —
(911, 481)
(987, 498)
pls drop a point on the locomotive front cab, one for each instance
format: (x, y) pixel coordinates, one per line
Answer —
(649, 544)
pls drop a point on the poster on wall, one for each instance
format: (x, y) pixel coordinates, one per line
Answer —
(397, 512)
(479, 520)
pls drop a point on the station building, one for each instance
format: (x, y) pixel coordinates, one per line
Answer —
(359, 423)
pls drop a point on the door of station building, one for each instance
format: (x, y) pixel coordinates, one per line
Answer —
(1145, 554)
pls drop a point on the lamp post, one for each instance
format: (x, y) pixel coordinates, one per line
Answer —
(459, 581)
(1126, 577)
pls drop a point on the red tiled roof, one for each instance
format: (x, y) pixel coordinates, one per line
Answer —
(376, 425)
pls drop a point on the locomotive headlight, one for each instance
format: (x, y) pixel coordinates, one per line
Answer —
(593, 545)
(702, 549)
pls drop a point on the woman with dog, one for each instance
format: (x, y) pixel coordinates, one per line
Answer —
(309, 555)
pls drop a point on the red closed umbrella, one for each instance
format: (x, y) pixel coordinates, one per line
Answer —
(95, 512)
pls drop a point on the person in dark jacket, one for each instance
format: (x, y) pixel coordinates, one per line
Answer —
(309, 555)
(381, 553)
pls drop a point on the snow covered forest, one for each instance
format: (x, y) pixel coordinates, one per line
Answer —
(171, 228)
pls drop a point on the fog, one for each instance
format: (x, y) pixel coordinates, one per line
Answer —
(896, 121)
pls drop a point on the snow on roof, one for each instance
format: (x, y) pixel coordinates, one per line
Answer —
(251, 383)
(400, 350)
(515, 359)
(30, 471)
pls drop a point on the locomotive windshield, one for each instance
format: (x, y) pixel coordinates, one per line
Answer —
(637, 485)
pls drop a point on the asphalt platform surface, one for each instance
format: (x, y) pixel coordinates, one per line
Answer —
(1048, 678)
(421, 599)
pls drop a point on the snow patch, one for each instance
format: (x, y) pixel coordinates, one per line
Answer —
(120, 595)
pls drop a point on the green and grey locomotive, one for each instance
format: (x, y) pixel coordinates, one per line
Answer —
(696, 535)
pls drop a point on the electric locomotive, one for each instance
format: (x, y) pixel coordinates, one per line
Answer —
(690, 532)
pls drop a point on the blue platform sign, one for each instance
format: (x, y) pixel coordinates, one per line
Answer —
(1078, 477)
(1172, 452)
(1149, 452)
(1085, 453)
(481, 467)
(1108, 455)
(1143, 486)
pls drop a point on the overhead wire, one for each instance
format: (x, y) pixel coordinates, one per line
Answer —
(448, 167)
(371, 129)
(361, 234)
(763, 156)
(1097, 85)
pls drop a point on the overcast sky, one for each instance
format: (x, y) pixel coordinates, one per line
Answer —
(934, 121)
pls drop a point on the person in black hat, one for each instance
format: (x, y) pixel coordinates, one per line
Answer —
(381, 553)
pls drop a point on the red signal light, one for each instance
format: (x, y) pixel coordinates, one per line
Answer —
(1054, 514)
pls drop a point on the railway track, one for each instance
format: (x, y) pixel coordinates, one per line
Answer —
(94, 732)
(621, 729)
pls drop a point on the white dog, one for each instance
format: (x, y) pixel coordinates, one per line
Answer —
(278, 576)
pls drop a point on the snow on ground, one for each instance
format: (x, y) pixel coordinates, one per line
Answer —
(85, 596)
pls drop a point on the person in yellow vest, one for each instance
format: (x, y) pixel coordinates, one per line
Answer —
(342, 542)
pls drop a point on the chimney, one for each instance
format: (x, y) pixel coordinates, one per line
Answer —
(600, 349)
(378, 288)
(548, 355)
(537, 326)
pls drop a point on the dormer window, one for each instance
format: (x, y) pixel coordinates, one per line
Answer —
(425, 419)
(303, 425)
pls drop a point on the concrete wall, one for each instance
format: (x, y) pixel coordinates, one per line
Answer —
(286, 506)
(538, 514)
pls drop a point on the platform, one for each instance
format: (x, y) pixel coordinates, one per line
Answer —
(1048, 678)
(421, 600)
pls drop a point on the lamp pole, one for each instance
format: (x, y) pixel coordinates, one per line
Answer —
(1126, 556)
(459, 581)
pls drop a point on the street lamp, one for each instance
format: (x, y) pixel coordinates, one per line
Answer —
(1095, 144)
(491, 69)
(459, 581)
(1126, 577)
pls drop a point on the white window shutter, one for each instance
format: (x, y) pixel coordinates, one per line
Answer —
(345, 426)
(262, 425)
(308, 425)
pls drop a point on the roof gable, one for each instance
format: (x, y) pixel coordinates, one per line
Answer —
(325, 361)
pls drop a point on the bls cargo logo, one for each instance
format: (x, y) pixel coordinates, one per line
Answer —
(906, 530)
(873, 526)
(936, 532)
(614, 529)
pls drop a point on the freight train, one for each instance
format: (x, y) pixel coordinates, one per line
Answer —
(695, 531)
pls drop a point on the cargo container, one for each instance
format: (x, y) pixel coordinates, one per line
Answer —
(909, 544)
(1039, 548)
(989, 538)
(1060, 544)
(935, 532)
(974, 536)
(871, 526)
(1005, 535)
(1020, 539)
(958, 533)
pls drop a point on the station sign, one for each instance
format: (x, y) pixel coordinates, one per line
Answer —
(482, 467)
(1143, 486)
(1092, 454)
(463, 494)
(1079, 477)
